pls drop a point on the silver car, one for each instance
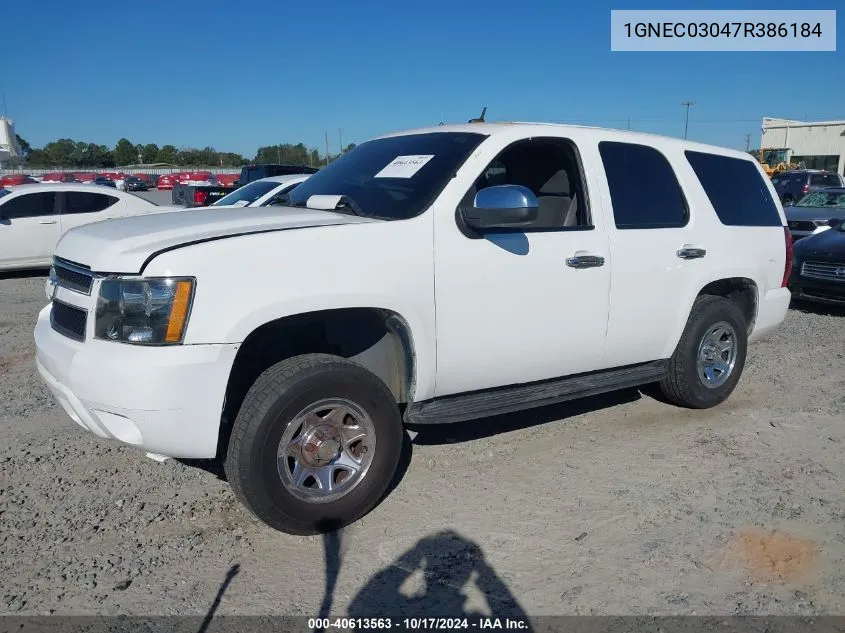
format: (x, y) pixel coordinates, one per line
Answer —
(814, 210)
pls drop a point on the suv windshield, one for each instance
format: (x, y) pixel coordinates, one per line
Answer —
(830, 199)
(247, 194)
(392, 178)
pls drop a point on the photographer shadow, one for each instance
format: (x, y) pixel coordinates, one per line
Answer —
(445, 576)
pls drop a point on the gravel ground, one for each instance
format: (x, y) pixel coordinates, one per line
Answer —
(615, 505)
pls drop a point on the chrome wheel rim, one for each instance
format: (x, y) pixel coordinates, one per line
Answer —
(717, 355)
(326, 450)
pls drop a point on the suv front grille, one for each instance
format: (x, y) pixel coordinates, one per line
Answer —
(73, 276)
(824, 270)
(68, 320)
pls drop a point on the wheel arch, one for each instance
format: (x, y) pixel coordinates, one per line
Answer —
(379, 339)
(741, 290)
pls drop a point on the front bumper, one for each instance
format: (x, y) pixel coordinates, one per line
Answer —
(165, 400)
(817, 290)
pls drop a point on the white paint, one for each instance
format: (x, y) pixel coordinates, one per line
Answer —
(503, 310)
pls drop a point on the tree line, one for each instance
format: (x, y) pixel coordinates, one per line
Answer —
(66, 152)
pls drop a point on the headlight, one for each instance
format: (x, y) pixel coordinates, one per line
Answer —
(50, 284)
(144, 311)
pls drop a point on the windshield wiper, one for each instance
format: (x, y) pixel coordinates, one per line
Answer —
(349, 203)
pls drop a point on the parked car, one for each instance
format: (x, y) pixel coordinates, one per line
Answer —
(14, 180)
(250, 173)
(133, 183)
(33, 217)
(227, 180)
(818, 273)
(165, 182)
(264, 192)
(461, 272)
(791, 186)
(105, 182)
(55, 176)
(814, 210)
(86, 177)
(153, 180)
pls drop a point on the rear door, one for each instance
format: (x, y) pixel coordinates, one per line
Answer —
(84, 207)
(29, 229)
(656, 244)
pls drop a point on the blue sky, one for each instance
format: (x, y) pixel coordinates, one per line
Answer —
(236, 75)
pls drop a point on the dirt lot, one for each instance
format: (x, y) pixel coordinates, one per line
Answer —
(618, 505)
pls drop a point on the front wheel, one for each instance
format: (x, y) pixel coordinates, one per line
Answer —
(315, 445)
(710, 357)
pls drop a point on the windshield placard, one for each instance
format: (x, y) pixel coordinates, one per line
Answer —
(404, 166)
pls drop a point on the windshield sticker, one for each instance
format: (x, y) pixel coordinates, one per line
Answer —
(241, 203)
(404, 166)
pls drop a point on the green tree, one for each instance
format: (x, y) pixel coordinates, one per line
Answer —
(150, 153)
(26, 148)
(167, 154)
(349, 147)
(38, 158)
(98, 156)
(125, 153)
(59, 152)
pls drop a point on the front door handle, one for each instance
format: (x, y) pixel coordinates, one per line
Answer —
(46, 221)
(584, 260)
(691, 252)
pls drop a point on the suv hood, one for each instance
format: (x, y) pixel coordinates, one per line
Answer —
(123, 245)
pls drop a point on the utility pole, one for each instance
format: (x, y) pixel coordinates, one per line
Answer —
(686, 104)
(629, 123)
(747, 142)
(340, 139)
(327, 148)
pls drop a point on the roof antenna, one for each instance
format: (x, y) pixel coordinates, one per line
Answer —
(481, 118)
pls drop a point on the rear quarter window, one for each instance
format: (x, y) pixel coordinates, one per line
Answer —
(825, 180)
(736, 189)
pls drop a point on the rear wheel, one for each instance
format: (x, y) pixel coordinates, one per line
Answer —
(315, 445)
(709, 359)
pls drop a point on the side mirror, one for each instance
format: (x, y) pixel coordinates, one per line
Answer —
(835, 222)
(502, 207)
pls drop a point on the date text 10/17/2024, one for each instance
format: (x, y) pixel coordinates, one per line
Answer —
(417, 624)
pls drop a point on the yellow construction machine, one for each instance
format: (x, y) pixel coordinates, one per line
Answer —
(774, 160)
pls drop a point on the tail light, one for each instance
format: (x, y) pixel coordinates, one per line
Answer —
(200, 197)
(787, 269)
(805, 188)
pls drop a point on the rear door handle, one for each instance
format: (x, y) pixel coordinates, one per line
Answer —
(691, 252)
(585, 261)
(46, 221)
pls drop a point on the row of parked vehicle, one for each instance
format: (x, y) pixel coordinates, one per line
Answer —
(811, 198)
(126, 182)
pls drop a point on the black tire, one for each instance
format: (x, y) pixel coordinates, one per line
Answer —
(683, 386)
(271, 404)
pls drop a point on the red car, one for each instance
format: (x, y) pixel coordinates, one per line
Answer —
(227, 180)
(166, 182)
(56, 176)
(16, 179)
(86, 177)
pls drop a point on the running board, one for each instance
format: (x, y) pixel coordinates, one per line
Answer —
(481, 404)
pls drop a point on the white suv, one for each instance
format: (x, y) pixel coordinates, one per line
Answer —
(429, 276)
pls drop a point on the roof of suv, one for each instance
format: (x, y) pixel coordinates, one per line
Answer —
(538, 128)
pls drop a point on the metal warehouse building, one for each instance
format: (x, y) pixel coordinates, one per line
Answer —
(819, 145)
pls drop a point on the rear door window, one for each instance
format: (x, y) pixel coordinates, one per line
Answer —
(825, 180)
(644, 190)
(736, 189)
(85, 202)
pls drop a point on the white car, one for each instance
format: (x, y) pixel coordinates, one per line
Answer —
(34, 217)
(437, 275)
(263, 192)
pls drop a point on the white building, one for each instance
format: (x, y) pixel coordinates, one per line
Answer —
(10, 151)
(819, 144)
